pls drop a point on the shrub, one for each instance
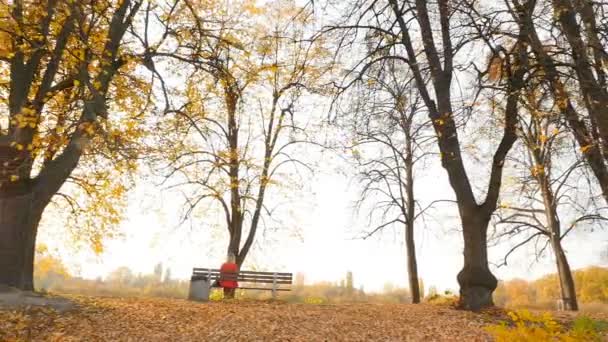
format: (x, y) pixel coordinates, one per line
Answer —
(216, 295)
(525, 326)
(315, 300)
(447, 299)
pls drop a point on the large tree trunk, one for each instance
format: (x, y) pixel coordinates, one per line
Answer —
(21, 207)
(476, 281)
(19, 218)
(564, 273)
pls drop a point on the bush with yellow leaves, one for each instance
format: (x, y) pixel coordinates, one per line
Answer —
(216, 295)
(447, 298)
(526, 326)
(315, 300)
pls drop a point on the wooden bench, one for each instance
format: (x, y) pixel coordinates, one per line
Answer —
(279, 281)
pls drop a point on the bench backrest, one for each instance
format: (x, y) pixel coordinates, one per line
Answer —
(246, 276)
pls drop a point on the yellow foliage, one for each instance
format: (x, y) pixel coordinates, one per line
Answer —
(315, 300)
(447, 299)
(216, 295)
(252, 8)
(525, 326)
(591, 287)
(586, 148)
(94, 200)
(47, 266)
(5, 45)
(537, 170)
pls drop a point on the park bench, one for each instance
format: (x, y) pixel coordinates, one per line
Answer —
(276, 281)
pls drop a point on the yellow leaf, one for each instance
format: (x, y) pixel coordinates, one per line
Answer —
(586, 148)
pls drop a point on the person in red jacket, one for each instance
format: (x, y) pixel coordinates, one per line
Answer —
(228, 270)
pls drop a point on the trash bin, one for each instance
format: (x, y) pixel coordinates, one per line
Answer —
(199, 288)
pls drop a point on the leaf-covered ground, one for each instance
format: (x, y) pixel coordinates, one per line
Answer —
(146, 319)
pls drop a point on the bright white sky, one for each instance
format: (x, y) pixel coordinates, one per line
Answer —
(318, 237)
(325, 246)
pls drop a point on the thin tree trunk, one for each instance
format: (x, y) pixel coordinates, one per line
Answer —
(412, 264)
(564, 273)
(19, 218)
(236, 219)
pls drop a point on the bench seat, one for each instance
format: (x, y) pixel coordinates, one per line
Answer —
(279, 281)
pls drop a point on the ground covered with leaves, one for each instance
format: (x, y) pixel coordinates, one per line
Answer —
(147, 319)
(179, 320)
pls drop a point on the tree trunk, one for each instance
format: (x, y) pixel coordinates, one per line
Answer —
(566, 283)
(586, 141)
(564, 273)
(19, 218)
(412, 266)
(476, 281)
(229, 293)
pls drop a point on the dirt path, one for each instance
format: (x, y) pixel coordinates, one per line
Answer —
(144, 319)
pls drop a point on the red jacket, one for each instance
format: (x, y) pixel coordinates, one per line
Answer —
(228, 267)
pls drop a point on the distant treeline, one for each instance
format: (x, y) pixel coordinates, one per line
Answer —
(51, 275)
(591, 289)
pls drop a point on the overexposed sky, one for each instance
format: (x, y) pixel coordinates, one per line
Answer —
(321, 239)
(318, 235)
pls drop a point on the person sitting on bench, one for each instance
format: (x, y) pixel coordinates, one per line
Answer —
(229, 267)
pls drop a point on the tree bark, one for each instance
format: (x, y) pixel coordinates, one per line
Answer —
(21, 207)
(564, 272)
(585, 139)
(412, 264)
(19, 218)
(589, 86)
(476, 281)
(22, 202)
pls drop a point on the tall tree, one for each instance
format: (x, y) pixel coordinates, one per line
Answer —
(61, 66)
(240, 116)
(572, 67)
(391, 135)
(427, 38)
(546, 194)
